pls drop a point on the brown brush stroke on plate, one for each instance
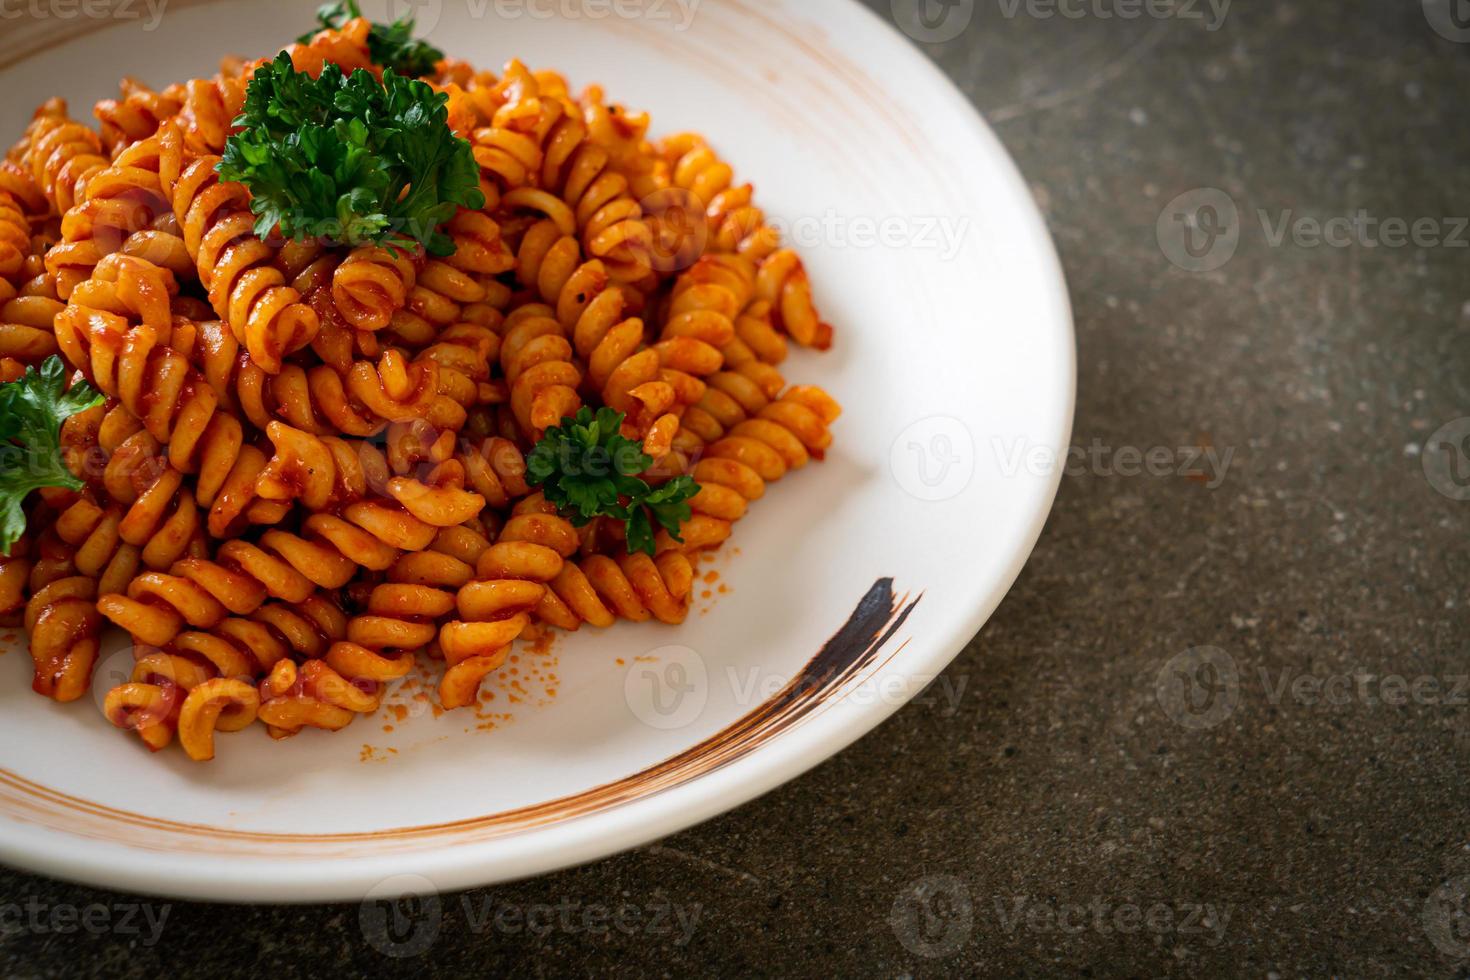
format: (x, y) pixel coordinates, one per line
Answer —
(850, 656)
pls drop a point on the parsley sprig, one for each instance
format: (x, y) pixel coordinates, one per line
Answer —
(31, 412)
(391, 45)
(587, 469)
(350, 159)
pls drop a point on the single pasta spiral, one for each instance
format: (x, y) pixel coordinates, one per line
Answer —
(65, 630)
(245, 287)
(15, 238)
(537, 359)
(495, 469)
(136, 113)
(210, 107)
(372, 284)
(345, 47)
(28, 301)
(61, 155)
(65, 579)
(624, 135)
(125, 211)
(16, 181)
(15, 574)
(715, 299)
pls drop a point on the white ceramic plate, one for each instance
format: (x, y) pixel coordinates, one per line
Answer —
(955, 362)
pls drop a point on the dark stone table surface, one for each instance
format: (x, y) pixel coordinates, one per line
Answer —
(1219, 726)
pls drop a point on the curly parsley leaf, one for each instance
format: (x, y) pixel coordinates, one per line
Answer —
(587, 469)
(350, 159)
(391, 45)
(31, 412)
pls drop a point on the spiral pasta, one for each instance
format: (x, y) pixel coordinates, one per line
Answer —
(136, 113)
(203, 682)
(580, 189)
(737, 226)
(61, 154)
(629, 375)
(15, 574)
(125, 212)
(312, 469)
(245, 287)
(511, 580)
(210, 107)
(15, 238)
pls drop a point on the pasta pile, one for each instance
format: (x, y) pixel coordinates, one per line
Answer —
(310, 464)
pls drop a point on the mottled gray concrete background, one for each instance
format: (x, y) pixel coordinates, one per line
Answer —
(1060, 817)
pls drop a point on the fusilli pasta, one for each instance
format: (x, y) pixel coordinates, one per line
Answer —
(315, 461)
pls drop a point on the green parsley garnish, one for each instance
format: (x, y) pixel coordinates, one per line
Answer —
(391, 45)
(350, 159)
(588, 470)
(31, 412)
